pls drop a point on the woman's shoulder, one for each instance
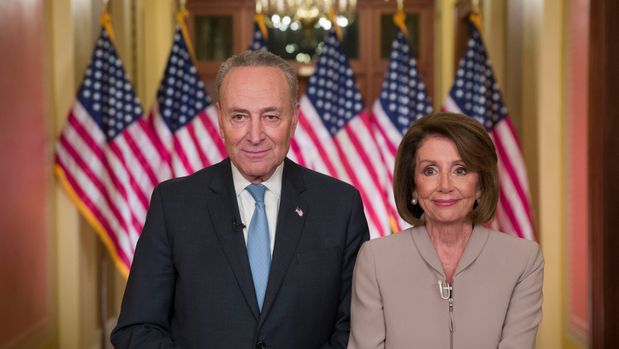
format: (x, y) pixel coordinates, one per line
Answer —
(510, 241)
(512, 247)
(392, 242)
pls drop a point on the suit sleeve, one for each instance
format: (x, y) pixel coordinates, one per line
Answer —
(357, 233)
(525, 307)
(147, 306)
(367, 330)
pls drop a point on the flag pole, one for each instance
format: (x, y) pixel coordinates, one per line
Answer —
(103, 281)
(106, 22)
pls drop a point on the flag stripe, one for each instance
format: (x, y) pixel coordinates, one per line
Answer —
(180, 156)
(134, 133)
(309, 130)
(368, 195)
(510, 172)
(94, 208)
(96, 182)
(88, 186)
(298, 156)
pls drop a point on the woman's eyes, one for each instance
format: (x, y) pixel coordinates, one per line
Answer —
(459, 170)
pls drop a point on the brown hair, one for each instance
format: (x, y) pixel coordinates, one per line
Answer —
(475, 148)
(259, 58)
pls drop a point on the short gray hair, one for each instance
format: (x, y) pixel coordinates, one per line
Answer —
(259, 58)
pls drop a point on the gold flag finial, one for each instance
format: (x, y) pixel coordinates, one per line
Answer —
(399, 19)
(259, 18)
(333, 18)
(181, 16)
(475, 15)
(106, 22)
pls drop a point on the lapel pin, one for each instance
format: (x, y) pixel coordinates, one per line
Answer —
(299, 212)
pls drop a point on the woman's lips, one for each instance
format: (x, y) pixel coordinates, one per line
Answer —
(445, 202)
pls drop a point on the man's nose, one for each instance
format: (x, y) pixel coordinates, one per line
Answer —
(256, 131)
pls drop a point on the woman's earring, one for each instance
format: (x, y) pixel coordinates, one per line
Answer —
(414, 201)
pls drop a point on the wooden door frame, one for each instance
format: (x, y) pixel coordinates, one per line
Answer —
(604, 172)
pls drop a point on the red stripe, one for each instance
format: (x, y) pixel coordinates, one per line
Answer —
(99, 153)
(297, 152)
(157, 138)
(139, 155)
(509, 170)
(96, 181)
(192, 135)
(392, 147)
(510, 126)
(96, 149)
(323, 155)
(133, 184)
(213, 132)
(355, 182)
(361, 151)
(510, 213)
(368, 165)
(95, 211)
(146, 166)
(86, 137)
(179, 152)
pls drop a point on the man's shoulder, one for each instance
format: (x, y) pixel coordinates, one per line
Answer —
(319, 181)
(199, 179)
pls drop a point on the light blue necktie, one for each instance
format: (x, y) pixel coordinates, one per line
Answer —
(258, 245)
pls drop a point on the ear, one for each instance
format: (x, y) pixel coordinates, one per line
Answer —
(219, 120)
(295, 119)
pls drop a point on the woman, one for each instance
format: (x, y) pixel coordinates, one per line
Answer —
(449, 282)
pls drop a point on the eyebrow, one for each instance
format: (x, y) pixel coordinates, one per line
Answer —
(261, 111)
(455, 162)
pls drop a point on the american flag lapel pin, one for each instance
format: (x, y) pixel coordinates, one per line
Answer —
(299, 212)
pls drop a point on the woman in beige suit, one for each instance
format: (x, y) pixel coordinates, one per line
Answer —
(449, 282)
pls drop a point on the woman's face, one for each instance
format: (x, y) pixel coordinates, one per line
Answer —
(445, 188)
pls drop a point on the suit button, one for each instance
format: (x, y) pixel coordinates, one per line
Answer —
(261, 345)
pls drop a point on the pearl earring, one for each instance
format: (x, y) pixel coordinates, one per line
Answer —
(414, 201)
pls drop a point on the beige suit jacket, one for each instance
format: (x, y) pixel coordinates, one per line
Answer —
(497, 293)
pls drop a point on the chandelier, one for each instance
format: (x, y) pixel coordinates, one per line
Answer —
(296, 14)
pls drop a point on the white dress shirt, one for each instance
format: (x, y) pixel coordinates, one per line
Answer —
(247, 204)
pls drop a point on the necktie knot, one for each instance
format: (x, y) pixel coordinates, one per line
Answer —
(257, 192)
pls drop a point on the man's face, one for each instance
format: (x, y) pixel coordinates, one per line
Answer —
(256, 119)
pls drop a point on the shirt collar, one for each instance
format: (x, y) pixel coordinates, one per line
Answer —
(273, 184)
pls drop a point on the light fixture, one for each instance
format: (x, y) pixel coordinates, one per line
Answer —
(284, 14)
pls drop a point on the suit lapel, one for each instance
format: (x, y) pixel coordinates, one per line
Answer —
(291, 218)
(224, 213)
(473, 249)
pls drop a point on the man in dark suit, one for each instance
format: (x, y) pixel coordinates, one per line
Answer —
(255, 251)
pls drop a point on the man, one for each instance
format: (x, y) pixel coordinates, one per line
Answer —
(254, 251)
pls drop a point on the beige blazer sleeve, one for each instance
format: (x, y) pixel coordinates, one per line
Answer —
(525, 306)
(368, 327)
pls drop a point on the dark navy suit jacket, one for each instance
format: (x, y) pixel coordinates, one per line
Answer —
(190, 284)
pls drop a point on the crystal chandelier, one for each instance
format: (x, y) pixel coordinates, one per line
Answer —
(296, 14)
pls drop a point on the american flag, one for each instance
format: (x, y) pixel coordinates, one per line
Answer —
(260, 34)
(403, 100)
(106, 156)
(334, 134)
(184, 118)
(476, 93)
